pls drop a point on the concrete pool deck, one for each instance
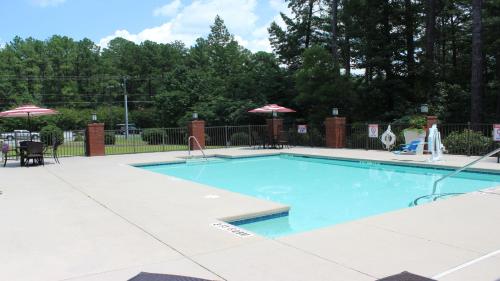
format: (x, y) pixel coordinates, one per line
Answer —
(101, 219)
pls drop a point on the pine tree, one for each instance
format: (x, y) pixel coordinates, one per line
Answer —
(477, 62)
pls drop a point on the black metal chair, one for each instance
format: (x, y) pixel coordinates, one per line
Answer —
(31, 150)
(284, 139)
(54, 147)
(5, 152)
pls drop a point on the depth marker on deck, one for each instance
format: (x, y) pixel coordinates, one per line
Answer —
(232, 229)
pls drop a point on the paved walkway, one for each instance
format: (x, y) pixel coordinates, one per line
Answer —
(101, 219)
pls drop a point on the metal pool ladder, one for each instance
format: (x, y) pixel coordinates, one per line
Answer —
(199, 146)
(435, 196)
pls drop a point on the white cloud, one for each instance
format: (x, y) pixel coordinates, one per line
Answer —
(193, 21)
(278, 5)
(169, 9)
(47, 3)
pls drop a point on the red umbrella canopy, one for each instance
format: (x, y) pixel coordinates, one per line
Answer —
(270, 108)
(27, 111)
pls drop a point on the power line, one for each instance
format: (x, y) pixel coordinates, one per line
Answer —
(77, 78)
(86, 102)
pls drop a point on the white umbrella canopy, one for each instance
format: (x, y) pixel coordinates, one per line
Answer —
(27, 111)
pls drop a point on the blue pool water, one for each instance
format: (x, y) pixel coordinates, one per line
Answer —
(321, 192)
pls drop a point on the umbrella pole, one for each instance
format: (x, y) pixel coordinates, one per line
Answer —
(273, 137)
(29, 124)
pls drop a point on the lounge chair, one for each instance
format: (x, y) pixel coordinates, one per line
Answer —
(413, 148)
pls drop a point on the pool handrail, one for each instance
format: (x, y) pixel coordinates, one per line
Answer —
(199, 146)
(434, 187)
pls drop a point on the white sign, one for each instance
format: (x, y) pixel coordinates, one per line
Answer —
(373, 130)
(302, 129)
(496, 132)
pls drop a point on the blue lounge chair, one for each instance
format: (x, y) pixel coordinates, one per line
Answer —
(410, 148)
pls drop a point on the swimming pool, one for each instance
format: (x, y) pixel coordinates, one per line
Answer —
(321, 192)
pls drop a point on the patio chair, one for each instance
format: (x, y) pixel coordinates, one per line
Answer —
(55, 145)
(5, 152)
(258, 140)
(284, 139)
(413, 148)
(33, 151)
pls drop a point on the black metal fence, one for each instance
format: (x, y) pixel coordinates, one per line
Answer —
(463, 139)
(147, 140)
(234, 136)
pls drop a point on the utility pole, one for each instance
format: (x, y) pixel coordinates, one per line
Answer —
(126, 105)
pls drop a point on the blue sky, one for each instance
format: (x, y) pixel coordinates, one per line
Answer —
(138, 20)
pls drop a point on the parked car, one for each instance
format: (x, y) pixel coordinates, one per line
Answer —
(20, 135)
(132, 129)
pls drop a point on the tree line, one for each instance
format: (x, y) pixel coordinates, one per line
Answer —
(376, 60)
(445, 53)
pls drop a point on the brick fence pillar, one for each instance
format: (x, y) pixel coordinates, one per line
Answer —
(196, 128)
(95, 139)
(335, 132)
(274, 127)
(431, 120)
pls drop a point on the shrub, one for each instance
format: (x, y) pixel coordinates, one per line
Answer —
(78, 136)
(300, 139)
(459, 143)
(50, 133)
(154, 136)
(412, 121)
(316, 138)
(418, 122)
(240, 138)
(109, 138)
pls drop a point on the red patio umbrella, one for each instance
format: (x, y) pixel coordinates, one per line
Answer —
(27, 111)
(271, 108)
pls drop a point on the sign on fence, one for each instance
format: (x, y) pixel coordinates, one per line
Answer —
(302, 129)
(496, 132)
(373, 130)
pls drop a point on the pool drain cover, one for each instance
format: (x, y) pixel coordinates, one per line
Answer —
(406, 276)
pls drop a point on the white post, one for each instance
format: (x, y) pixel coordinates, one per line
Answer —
(126, 105)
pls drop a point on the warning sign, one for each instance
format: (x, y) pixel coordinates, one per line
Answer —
(373, 130)
(496, 132)
(302, 129)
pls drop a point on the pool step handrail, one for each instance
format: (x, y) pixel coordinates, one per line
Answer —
(197, 143)
(434, 187)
